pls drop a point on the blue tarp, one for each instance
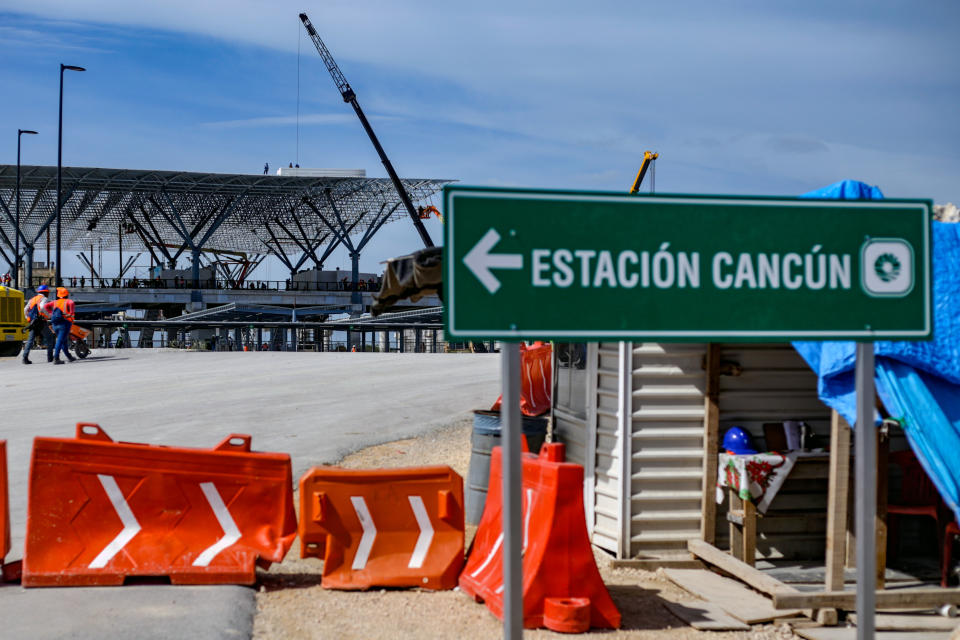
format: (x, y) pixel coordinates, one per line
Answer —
(846, 190)
(918, 382)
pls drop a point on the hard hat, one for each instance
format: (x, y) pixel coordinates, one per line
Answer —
(737, 440)
(43, 289)
(62, 292)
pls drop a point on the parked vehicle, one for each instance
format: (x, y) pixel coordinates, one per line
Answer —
(13, 325)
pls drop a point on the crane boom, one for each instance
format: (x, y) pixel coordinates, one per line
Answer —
(350, 97)
(648, 158)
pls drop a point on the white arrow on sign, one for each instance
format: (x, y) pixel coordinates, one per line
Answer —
(369, 532)
(426, 533)
(480, 261)
(231, 532)
(130, 525)
(421, 548)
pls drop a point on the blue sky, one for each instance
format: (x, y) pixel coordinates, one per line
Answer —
(738, 97)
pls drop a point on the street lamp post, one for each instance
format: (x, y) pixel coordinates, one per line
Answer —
(16, 251)
(63, 67)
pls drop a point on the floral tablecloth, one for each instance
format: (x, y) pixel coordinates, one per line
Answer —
(756, 477)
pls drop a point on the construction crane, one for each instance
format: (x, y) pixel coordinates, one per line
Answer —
(349, 96)
(648, 159)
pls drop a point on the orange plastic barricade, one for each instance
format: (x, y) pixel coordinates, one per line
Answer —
(560, 577)
(536, 381)
(100, 511)
(4, 505)
(383, 527)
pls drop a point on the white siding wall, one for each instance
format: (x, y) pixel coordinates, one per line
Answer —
(607, 473)
(667, 408)
(642, 432)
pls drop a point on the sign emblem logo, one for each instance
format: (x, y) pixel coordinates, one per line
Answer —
(886, 267)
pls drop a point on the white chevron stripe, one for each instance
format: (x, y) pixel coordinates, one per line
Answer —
(526, 529)
(526, 520)
(546, 391)
(130, 525)
(426, 533)
(369, 532)
(489, 559)
(230, 529)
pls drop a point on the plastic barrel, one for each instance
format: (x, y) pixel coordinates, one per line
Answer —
(486, 436)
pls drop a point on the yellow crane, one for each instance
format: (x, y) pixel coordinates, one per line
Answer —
(648, 159)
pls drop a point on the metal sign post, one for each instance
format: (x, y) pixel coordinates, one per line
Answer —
(512, 481)
(865, 449)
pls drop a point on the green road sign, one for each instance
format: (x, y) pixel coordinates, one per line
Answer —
(603, 266)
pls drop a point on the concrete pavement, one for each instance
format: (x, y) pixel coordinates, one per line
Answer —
(315, 406)
(132, 613)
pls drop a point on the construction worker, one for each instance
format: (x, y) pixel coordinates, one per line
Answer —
(34, 312)
(61, 318)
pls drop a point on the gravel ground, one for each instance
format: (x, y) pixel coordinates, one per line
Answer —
(291, 603)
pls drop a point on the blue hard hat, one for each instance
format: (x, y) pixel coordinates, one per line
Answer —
(43, 289)
(737, 440)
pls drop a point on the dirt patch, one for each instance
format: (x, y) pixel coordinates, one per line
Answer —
(292, 604)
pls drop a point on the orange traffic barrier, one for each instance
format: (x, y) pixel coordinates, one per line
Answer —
(383, 527)
(536, 381)
(566, 615)
(100, 511)
(561, 583)
(4, 505)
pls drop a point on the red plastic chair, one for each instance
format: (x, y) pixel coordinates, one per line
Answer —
(918, 496)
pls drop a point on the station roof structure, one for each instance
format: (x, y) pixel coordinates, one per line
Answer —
(171, 212)
(427, 317)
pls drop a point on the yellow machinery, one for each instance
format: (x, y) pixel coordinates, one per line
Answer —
(13, 326)
(648, 159)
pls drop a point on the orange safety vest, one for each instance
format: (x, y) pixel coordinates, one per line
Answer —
(66, 307)
(38, 301)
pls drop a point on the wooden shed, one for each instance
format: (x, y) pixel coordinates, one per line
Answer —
(645, 421)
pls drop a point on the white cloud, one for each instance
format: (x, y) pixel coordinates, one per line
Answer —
(273, 121)
(33, 38)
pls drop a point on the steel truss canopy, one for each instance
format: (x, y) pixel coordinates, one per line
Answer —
(428, 317)
(171, 212)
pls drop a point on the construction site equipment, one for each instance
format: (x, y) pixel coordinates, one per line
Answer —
(99, 511)
(558, 560)
(649, 157)
(78, 339)
(383, 527)
(350, 97)
(425, 213)
(13, 324)
(410, 277)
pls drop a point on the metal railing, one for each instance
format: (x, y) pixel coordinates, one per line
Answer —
(85, 283)
(185, 341)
